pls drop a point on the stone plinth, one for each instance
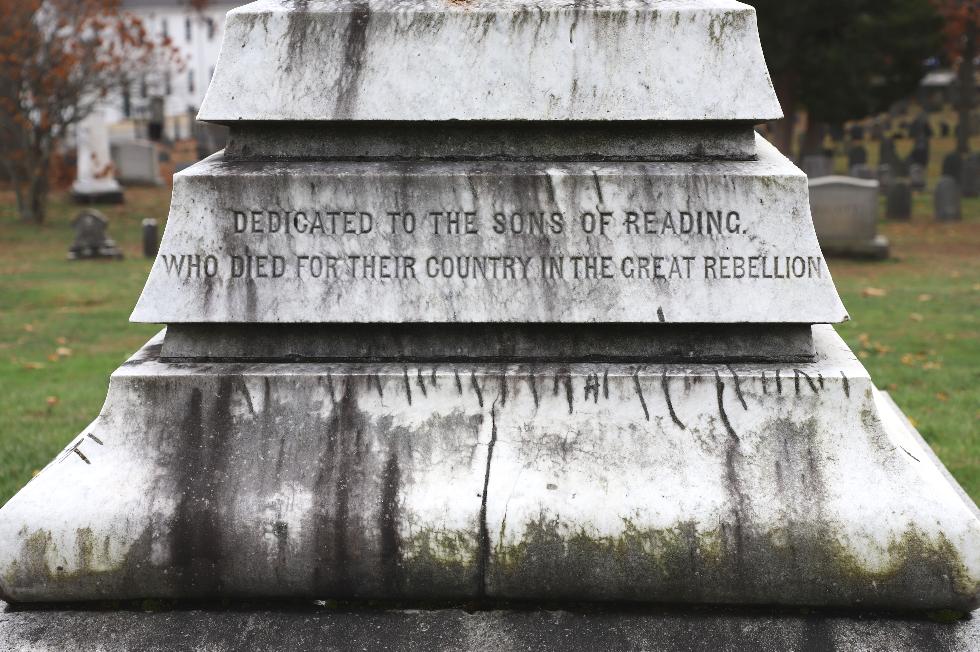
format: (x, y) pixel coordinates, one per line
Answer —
(744, 484)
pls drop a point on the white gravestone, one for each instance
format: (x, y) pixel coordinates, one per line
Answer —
(95, 178)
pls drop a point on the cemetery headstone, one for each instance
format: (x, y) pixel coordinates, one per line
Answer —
(857, 155)
(898, 201)
(970, 176)
(900, 168)
(444, 328)
(920, 152)
(947, 200)
(917, 177)
(151, 237)
(885, 177)
(944, 129)
(845, 215)
(95, 180)
(136, 162)
(862, 171)
(920, 129)
(952, 165)
(91, 237)
(817, 165)
(857, 132)
(887, 154)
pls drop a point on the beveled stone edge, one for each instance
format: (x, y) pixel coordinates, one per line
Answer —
(489, 342)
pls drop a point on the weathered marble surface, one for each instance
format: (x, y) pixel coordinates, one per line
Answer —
(746, 484)
(309, 627)
(537, 60)
(761, 205)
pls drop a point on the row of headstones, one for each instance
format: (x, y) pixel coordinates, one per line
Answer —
(898, 178)
(883, 127)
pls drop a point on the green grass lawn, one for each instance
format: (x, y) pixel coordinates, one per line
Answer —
(64, 328)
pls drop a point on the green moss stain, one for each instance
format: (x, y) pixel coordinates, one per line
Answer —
(575, 564)
(77, 570)
(85, 548)
(440, 563)
(913, 560)
(726, 564)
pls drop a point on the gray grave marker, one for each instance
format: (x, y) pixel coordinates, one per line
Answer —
(91, 239)
(137, 162)
(898, 202)
(917, 177)
(845, 215)
(947, 202)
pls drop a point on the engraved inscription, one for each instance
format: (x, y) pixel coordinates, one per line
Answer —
(354, 243)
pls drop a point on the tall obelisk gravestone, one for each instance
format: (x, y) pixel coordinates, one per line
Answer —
(494, 301)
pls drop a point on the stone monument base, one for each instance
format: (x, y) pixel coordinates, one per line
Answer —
(322, 627)
(791, 484)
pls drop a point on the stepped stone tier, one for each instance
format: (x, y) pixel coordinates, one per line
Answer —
(394, 242)
(430, 60)
(493, 302)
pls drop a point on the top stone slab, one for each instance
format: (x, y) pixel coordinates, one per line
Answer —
(475, 60)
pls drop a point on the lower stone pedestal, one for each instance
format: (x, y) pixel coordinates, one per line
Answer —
(310, 627)
(737, 484)
(98, 191)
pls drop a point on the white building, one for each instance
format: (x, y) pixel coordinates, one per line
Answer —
(197, 36)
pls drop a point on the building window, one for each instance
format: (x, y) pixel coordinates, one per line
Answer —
(210, 23)
(190, 81)
(187, 28)
(164, 28)
(167, 85)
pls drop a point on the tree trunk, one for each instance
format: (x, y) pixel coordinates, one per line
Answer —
(782, 131)
(32, 193)
(39, 198)
(967, 91)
